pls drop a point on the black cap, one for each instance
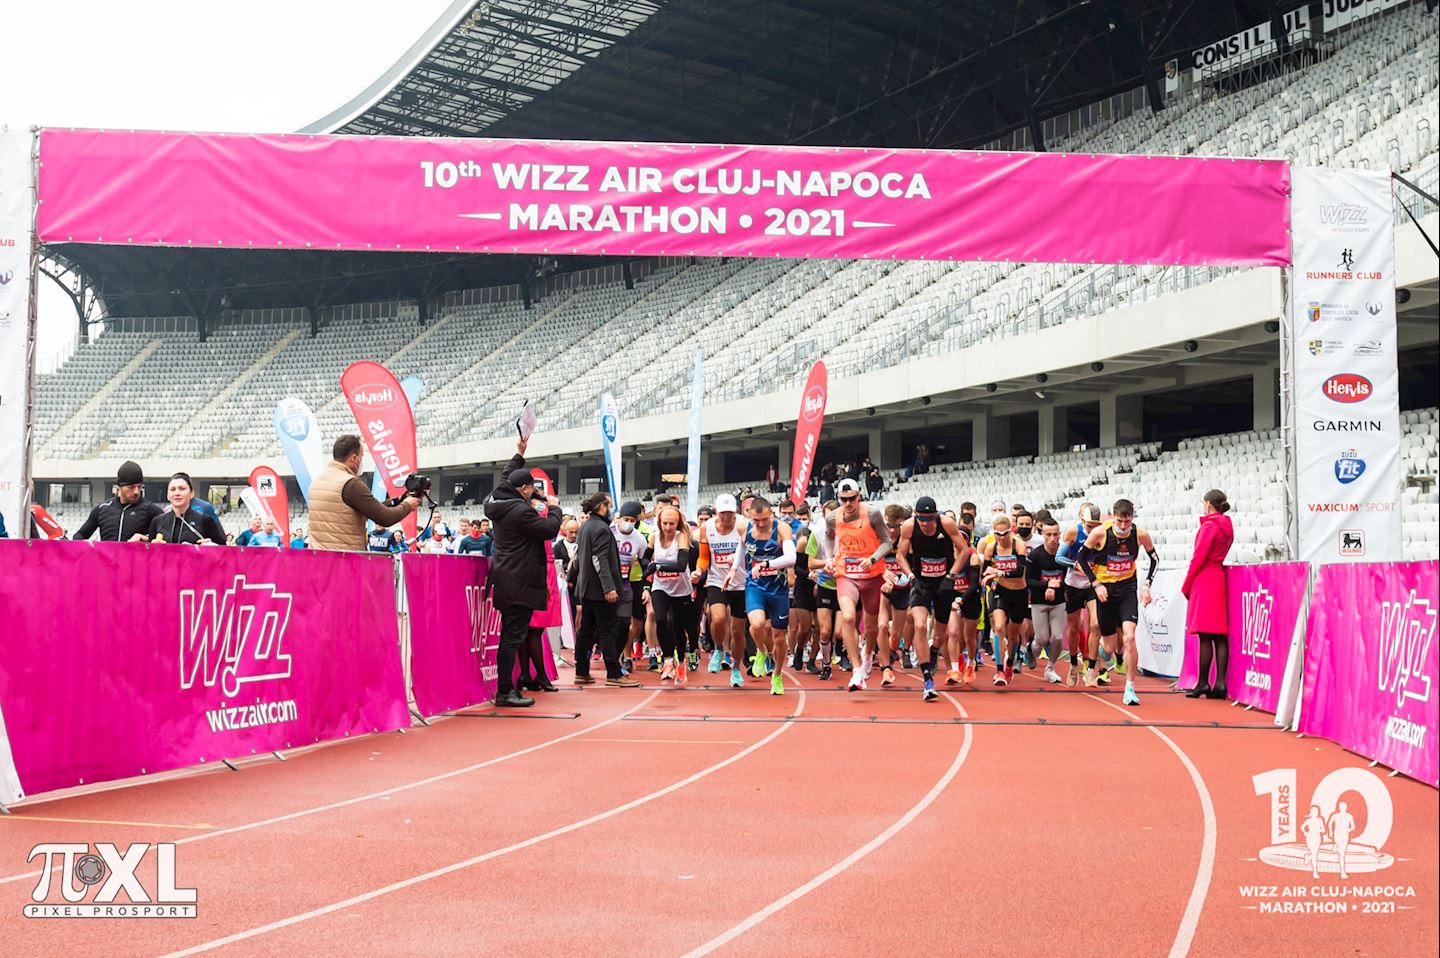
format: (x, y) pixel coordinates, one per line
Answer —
(521, 477)
(631, 510)
(925, 506)
(128, 474)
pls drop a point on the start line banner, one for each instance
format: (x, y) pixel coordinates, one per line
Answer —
(123, 659)
(653, 199)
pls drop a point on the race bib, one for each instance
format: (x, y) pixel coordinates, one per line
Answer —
(725, 559)
(1120, 565)
(962, 581)
(933, 568)
(1053, 581)
(759, 571)
(625, 564)
(662, 576)
(852, 565)
(1005, 564)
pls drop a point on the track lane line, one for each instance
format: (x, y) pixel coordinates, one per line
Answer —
(895, 828)
(496, 853)
(394, 789)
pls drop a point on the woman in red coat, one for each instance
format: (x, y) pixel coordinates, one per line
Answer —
(1204, 587)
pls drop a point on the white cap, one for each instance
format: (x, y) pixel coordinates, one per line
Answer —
(726, 504)
(847, 485)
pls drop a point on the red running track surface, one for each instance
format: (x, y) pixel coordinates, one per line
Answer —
(1039, 820)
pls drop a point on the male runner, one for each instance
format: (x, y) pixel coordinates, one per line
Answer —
(895, 595)
(859, 542)
(631, 545)
(769, 550)
(1023, 522)
(1002, 559)
(1084, 636)
(1108, 561)
(827, 599)
(1046, 578)
(802, 595)
(720, 540)
(932, 551)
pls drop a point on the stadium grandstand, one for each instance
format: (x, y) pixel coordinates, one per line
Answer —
(1038, 383)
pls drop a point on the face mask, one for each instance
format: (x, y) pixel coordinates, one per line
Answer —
(1024, 531)
(627, 526)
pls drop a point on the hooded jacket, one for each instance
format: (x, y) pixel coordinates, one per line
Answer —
(518, 570)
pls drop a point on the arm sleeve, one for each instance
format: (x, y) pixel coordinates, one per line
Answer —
(787, 555)
(680, 564)
(877, 522)
(1033, 578)
(1154, 563)
(1082, 561)
(88, 527)
(357, 497)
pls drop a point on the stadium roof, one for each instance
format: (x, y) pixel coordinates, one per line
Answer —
(897, 73)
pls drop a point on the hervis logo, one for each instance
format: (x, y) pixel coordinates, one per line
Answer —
(1347, 388)
(373, 396)
(813, 404)
(107, 872)
(1320, 835)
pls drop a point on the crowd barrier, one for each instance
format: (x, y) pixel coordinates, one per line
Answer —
(124, 659)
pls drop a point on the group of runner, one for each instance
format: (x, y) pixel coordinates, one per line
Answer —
(758, 587)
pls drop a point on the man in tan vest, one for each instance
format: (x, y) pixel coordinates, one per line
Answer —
(340, 502)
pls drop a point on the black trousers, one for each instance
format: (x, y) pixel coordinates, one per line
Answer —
(597, 627)
(514, 627)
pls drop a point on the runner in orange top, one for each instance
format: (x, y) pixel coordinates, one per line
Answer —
(859, 542)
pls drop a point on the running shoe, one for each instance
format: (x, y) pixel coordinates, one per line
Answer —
(979, 656)
(1130, 697)
(694, 661)
(1029, 657)
(845, 664)
(1091, 679)
(777, 684)
(1073, 676)
(682, 673)
(969, 673)
(757, 665)
(1120, 664)
(715, 659)
(667, 673)
(1104, 677)
(856, 684)
(930, 693)
(1051, 675)
(737, 679)
(1063, 657)
(887, 677)
(797, 661)
(953, 678)
(825, 672)
(1009, 674)
(654, 663)
(1000, 679)
(814, 669)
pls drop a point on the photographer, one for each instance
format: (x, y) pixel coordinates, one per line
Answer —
(185, 524)
(126, 517)
(340, 502)
(519, 574)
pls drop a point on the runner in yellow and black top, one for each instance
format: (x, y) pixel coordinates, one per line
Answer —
(1108, 561)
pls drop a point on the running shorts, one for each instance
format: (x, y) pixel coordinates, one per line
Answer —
(1015, 603)
(1077, 597)
(734, 599)
(775, 605)
(637, 604)
(934, 595)
(828, 599)
(1124, 606)
(804, 598)
(899, 599)
(865, 593)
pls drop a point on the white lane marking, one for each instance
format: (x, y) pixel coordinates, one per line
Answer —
(394, 789)
(859, 853)
(497, 853)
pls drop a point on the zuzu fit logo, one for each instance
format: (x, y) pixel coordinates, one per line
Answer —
(1349, 467)
(107, 872)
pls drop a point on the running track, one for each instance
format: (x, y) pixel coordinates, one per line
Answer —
(701, 821)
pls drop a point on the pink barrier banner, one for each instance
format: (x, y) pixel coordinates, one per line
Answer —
(510, 196)
(1265, 602)
(455, 632)
(1371, 664)
(123, 659)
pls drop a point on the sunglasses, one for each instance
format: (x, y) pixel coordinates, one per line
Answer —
(926, 519)
(849, 498)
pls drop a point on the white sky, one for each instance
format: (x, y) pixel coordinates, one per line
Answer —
(261, 65)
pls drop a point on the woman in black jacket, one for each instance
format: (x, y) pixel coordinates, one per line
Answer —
(184, 523)
(597, 586)
(519, 573)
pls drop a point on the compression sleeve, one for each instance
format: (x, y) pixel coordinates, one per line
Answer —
(787, 557)
(877, 522)
(1154, 564)
(1083, 562)
(681, 562)
(704, 564)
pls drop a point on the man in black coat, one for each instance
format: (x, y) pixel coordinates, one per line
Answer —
(598, 588)
(519, 575)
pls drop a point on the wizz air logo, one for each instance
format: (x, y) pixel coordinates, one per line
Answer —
(484, 629)
(1255, 610)
(235, 636)
(1407, 632)
(1342, 214)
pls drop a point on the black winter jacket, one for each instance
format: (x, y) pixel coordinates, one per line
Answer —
(518, 571)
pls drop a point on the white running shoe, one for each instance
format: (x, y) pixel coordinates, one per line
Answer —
(1051, 675)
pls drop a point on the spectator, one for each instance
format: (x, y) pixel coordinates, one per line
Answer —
(1204, 587)
(462, 532)
(230, 538)
(922, 459)
(268, 537)
(128, 516)
(436, 546)
(518, 577)
(340, 502)
(183, 523)
(874, 483)
(473, 543)
(379, 540)
(598, 589)
(297, 541)
(397, 541)
(247, 538)
(487, 540)
(772, 478)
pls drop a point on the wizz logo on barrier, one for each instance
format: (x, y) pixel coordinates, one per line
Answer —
(484, 629)
(1407, 631)
(1255, 611)
(238, 633)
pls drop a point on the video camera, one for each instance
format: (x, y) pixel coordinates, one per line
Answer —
(417, 485)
